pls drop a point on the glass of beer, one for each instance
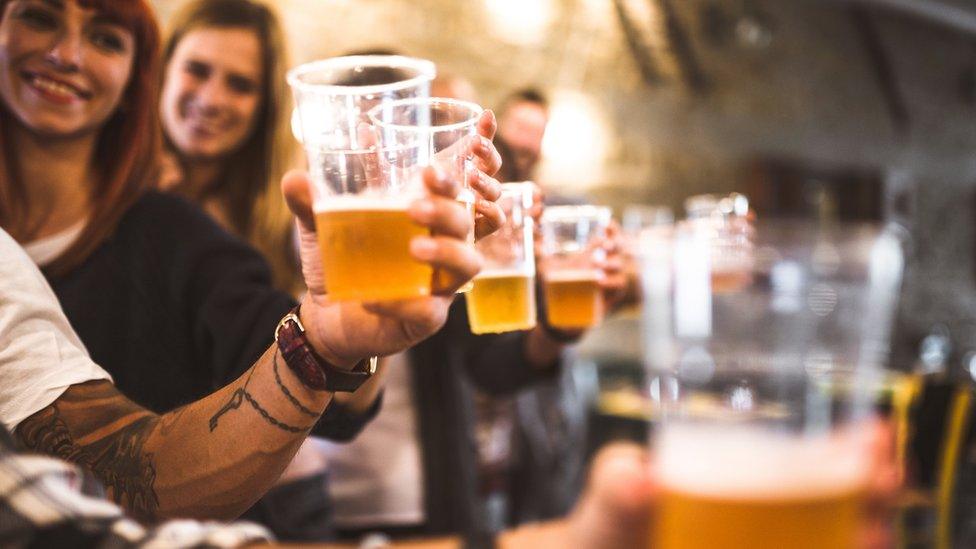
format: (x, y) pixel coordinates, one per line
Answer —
(503, 296)
(432, 131)
(728, 220)
(572, 253)
(764, 390)
(361, 190)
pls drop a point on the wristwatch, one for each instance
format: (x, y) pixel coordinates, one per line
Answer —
(313, 370)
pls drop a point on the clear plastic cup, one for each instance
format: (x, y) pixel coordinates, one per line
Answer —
(360, 197)
(572, 256)
(764, 391)
(503, 296)
(433, 131)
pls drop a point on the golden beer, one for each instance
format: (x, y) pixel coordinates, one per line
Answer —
(366, 252)
(573, 299)
(501, 302)
(796, 497)
(730, 281)
(466, 197)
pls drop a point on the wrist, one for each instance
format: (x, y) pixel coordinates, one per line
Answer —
(307, 313)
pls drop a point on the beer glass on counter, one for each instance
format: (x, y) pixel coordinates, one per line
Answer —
(503, 296)
(435, 131)
(572, 253)
(764, 390)
(728, 219)
(360, 194)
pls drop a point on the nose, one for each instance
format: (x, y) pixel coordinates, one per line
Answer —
(65, 53)
(212, 94)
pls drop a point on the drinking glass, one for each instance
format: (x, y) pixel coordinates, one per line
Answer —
(572, 253)
(432, 131)
(503, 296)
(728, 221)
(765, 390)
(360, 195)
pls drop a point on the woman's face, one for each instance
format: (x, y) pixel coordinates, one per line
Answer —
(63, 68)
(212, 91)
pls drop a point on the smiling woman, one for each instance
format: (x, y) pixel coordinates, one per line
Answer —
(223, 107)
(65, 69)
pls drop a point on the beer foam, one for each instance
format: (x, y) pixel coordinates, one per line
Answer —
(505, 273)
(356, 203)
(573, 275)
(748, 463)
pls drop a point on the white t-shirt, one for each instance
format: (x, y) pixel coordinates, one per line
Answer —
(45, 250)
(40, 354)
(377, 478)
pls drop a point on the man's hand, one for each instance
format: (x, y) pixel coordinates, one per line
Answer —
(615, 510)
(489, 216)
(346, 332)
(614, 280)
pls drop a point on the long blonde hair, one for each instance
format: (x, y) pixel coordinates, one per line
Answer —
(250, 193)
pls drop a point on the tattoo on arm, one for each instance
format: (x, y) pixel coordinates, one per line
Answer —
(242, 395)
(291, 398)
(81, 427)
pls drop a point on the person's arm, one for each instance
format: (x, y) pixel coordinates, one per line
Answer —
(209, 459)
(216, 456)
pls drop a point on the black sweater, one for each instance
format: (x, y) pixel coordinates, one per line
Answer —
(174, 307)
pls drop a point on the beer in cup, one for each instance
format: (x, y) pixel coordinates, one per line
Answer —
(572, 238)
(360, 190)
(431, 131)
(764, 392)
(503, 296)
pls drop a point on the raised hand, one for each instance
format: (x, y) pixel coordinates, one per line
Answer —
(345, 332)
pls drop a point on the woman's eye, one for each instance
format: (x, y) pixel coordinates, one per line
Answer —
(109, 41)
(38, 18)
(242, 85)
(199, 70)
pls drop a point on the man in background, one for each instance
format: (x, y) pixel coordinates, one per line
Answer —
(522, 120)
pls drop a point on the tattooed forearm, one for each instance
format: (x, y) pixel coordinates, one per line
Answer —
(291, 398)
(117, 458)
(242, 395)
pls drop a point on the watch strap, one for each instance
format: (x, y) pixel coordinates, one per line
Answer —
(313, 370)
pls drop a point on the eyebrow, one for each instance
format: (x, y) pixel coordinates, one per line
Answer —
(56, 4)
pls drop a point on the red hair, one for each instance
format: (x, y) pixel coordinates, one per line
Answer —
(126, 152)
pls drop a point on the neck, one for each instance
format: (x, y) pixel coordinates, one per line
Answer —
(200, 176)
(57, 175)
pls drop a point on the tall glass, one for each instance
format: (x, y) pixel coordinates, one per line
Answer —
(503, 296)
(636, 219)
(765, 389)
(572, 253)
(360, 194)
(729, 222)
(432, 131)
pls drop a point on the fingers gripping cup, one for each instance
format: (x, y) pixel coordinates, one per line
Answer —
(423, 132)
(503, 296)
(764, 390)
(360, 193)
(572, 254)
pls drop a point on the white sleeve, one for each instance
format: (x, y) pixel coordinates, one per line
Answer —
(40, 354)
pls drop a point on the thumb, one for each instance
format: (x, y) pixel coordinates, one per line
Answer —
(615, 510)
(297, 189)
